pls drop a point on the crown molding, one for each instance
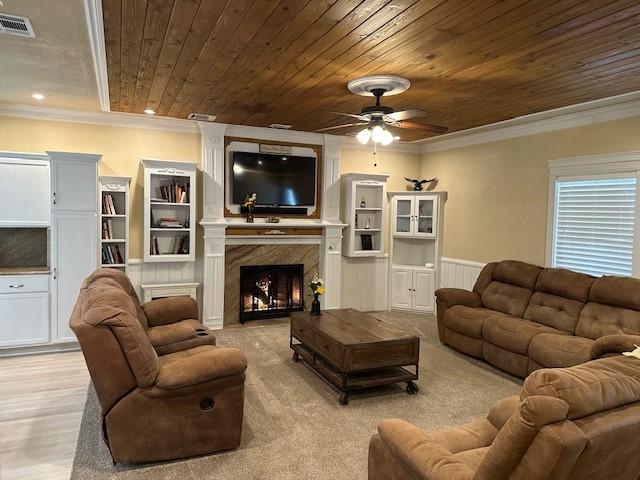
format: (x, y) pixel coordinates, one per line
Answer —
(112, 119)
(587, 113)
(95, 27)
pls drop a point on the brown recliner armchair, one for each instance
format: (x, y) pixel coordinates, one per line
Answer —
(181, 404)
(170, 323)
(573, 423)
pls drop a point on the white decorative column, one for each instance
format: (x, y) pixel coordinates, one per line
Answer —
(331, 247)
(213, 155)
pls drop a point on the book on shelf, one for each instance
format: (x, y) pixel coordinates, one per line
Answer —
(169, 222)
(107, 230)
(178, 246)
(111, 255)
(174, 193)
(108, 207)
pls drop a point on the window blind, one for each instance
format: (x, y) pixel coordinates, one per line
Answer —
(594, 225)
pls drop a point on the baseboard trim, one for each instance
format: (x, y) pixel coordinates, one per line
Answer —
(39, 349)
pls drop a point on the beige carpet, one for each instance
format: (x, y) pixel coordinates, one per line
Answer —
(294, 427)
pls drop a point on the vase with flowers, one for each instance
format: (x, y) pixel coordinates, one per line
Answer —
(317, 288)
(248, 203)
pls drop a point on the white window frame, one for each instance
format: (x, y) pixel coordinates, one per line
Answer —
(610, 165)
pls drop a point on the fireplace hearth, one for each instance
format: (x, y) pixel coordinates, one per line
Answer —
(270, 291)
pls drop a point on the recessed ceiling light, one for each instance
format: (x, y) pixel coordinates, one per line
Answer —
(37, 96)
(396, 138)
(149, 111)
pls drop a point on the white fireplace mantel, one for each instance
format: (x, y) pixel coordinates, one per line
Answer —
(215, 224)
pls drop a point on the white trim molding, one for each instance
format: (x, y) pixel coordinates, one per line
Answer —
(587, 113)
(95, 27)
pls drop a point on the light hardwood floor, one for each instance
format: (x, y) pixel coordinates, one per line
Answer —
(42, 398)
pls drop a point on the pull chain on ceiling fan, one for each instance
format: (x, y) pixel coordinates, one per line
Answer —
(376, 118)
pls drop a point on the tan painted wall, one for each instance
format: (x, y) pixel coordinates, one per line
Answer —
(498, 191)
(397, 164)
(121, 149)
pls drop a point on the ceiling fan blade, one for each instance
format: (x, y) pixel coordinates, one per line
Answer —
(406, 114)
(422, 126)
(346, 125)
(353, 115)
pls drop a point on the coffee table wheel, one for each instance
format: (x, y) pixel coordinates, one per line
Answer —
(412, 388)
(344, 398)
(296, 357)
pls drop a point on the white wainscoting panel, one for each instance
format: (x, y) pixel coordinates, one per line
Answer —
(365, 283)
(455, 273)
(179, 272)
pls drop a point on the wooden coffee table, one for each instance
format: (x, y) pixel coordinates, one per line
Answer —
(353, 350)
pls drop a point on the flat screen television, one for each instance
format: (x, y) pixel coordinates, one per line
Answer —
(277, 180)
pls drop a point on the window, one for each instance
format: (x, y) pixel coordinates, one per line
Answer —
(594, 225)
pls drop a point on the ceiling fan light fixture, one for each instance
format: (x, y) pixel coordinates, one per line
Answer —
(387, 138)
(377, 133)
(363, 136)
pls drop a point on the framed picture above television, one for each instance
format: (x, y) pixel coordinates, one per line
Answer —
(285, 184)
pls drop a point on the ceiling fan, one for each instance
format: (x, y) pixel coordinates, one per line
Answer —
(377, 117)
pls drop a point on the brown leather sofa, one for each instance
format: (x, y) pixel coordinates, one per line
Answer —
(170, 323)
(576, 423)
(521, 317)
(154, 408)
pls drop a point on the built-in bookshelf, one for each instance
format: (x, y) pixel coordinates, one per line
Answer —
(114, 222)
(364, 202)
(169, 210)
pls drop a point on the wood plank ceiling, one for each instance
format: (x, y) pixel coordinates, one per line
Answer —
(470, 62)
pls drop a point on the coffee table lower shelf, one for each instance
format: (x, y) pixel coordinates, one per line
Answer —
(347, 382)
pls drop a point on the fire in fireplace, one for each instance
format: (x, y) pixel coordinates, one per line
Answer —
(270, 291)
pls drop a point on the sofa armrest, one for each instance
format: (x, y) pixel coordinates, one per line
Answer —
(428, 459)
(193, 367)
(447, 298)
(613, 344)
(170, 310)
(457, 296)
(502, 411)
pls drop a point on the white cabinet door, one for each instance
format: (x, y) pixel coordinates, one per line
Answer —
(75, 256)
(24, 196)
(402, 216)
(425, 216)
(401, 288)
(24, 318)
(74, 185)
(423, 290)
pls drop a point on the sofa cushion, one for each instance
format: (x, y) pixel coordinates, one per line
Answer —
(554, 311)
(597, 320)
(467, 320)
(506, 298)
(589, 388)
(517, 273)
(555, 351)
(462, 343)
(565, 283)
(513, 334)
(472, 458)
(513, 363)
(623, 292)
(174, 332)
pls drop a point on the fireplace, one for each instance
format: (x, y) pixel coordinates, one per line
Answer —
(270, 291)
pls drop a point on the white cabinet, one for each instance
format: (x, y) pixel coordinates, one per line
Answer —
(415, 216)
(24, 310)
(24, 196)
(364, 210)
(74, 234)
(415, 249)
(72, 182)
(423, 289)
(401, 286)
(412, 289)
(73, 258)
